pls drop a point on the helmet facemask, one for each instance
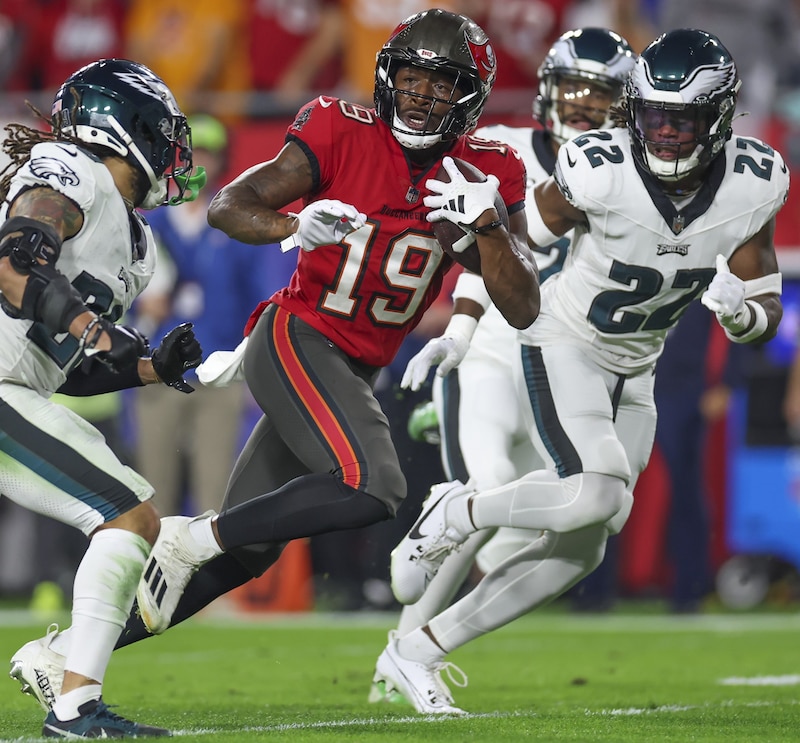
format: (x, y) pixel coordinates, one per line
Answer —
(673, 141)
(449, 45)
(580, 80)
(569, 97)
(439, 124)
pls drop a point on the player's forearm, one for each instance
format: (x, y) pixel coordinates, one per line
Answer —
(242, 216)
(510, 277)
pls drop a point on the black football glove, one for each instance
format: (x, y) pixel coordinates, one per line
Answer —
(127, 346)
(179, 351)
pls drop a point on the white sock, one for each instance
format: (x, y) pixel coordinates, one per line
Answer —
(200, 530)
(457, 516)
(419, 647)
(103, 593)
(66, 706)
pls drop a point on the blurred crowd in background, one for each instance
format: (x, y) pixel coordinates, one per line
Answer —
(241, 69)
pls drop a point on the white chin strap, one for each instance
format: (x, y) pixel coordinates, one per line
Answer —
(670, 170)
(411, 139)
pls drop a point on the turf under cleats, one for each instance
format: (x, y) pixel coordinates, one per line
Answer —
(420, 554)
(39, 669)
(175, 558)
(96, 720)
(422, 685)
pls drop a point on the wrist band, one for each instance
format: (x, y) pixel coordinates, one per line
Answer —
(760, 324)
(88, 329)
(487, 227)
(538, 231)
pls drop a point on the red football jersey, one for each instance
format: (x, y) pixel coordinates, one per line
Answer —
(369, 291)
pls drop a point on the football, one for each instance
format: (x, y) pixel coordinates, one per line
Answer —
(456, 242)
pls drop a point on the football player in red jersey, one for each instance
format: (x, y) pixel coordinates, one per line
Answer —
(321, 458)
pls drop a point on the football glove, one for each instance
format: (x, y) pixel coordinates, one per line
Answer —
(459, 201)
(725, 297)
(178, 352)
(324, 222)
(448, 350)
(128, 345)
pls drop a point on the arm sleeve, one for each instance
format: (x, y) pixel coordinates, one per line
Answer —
(94, 379)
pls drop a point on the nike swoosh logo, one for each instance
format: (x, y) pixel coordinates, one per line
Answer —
(415, 533)
(570, 161)
(324, 103)
(69, 152)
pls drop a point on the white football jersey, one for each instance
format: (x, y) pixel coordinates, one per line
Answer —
(110, 261)
(639, 262)
(494, 338)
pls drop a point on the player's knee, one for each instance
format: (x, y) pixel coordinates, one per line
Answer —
(619, 519)
(600, 497)
(143, 520)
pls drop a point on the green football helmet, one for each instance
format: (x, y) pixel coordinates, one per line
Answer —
(580, 60)
(124, 107)
(681, 100)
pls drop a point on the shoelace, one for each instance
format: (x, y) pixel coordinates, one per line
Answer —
(103, 710)
(455, 676)
(443, 546)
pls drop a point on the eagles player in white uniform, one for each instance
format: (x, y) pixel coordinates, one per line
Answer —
(73, 256)
(483, 432)
(670, 209)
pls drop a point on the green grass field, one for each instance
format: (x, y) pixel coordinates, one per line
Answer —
(554, 676)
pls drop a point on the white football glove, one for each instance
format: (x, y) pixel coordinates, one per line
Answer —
(324, 222)
(448, 351)
(725, 297)
(459, 201)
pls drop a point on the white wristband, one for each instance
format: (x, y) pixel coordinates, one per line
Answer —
(759, 326)
(289, 243)
(471, 286)
(538, 231)
(461, 325)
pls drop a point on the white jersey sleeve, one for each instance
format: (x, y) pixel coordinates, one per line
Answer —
(109, 261)
(640, 259)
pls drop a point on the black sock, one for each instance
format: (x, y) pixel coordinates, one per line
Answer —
(212, 580)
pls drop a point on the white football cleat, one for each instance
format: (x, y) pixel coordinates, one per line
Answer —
(175, 558)
(420, 684)
(418, 556)
(40, 669)
(379, 691)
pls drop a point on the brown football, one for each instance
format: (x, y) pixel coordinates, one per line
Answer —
(459, 244)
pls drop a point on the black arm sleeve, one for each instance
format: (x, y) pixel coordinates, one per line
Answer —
(95, 379)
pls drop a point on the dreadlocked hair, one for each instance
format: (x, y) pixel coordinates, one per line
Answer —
(21, 139)
(619, 114)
